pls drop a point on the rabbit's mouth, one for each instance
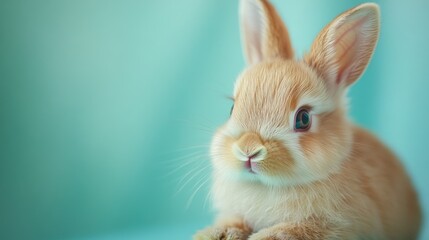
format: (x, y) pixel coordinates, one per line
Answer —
(250, 166)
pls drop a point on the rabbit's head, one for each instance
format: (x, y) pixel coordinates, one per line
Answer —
(288, 124)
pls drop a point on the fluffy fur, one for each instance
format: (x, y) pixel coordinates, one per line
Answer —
(334, 181)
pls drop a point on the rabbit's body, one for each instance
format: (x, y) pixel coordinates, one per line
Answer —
(365, 198)
(288, 163)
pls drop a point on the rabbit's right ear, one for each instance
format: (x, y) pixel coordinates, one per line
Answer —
(341, 52)
(264, 36)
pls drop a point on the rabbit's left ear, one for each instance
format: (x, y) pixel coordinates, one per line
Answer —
(264, 36)
(341, 52)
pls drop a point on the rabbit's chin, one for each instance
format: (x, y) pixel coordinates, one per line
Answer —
(296, 178)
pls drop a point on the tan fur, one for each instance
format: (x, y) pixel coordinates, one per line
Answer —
(334, 181)
(333, 49)
(231, 228)
(275, 43)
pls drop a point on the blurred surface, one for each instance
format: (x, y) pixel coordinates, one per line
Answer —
(108, 107)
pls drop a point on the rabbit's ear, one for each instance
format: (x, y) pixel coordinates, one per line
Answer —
(343, 49)
(263, 34)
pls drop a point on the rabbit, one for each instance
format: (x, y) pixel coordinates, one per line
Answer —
(288, 163)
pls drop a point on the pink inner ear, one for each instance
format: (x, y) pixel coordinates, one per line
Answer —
(252, 24)
(348, 41)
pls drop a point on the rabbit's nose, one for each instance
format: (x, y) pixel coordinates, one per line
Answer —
(249, 148)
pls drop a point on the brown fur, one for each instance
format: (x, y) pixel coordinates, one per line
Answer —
(334, 181)
(276, 44)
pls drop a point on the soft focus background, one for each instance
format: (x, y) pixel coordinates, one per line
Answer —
(107, 108)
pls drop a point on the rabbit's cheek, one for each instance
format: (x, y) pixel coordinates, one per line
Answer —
(279, 162)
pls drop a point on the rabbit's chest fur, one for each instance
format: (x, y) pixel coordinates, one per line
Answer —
(262, 206)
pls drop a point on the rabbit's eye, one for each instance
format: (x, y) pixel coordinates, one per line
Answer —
(232, 108)
(302, 120)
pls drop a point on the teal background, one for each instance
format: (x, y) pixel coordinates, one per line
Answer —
(107, 108)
